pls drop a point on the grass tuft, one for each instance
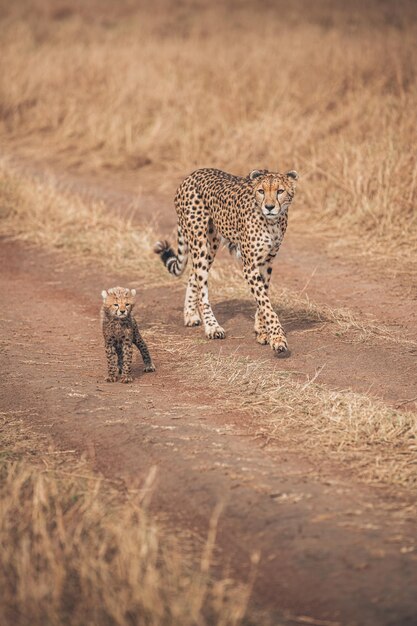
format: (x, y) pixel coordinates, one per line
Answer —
(376, 441)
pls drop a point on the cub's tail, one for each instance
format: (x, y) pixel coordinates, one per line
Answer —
(175, 263)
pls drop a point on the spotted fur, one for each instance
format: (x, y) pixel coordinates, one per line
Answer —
(121, 332)
(250, 214)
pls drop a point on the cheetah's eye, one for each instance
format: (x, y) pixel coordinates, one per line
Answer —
(280, 191)
(261, 191)
(116, 305)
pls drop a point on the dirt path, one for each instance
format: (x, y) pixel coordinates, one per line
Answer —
(349, 548)
(330, 549)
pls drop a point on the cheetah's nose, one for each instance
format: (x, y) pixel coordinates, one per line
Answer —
(270, 207)
(122, 312)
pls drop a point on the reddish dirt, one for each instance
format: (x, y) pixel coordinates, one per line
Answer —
(331, 549)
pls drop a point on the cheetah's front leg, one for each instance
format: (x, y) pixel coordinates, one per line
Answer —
(119, 352)
(143, 349)
(277, 339)
(261, 330)
(212, 328)
(112, 364)
(127, 352)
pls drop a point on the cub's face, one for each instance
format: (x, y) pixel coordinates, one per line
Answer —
(273, 192)
(118, 302)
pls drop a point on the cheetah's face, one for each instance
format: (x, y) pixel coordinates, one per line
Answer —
(273, 192)
(119, 302)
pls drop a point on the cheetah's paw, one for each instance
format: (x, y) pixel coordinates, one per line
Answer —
(262, 338)
(126, 379)
(149, 368)
(280, 346)
(192, 319)
(111, 379)
(215, 332)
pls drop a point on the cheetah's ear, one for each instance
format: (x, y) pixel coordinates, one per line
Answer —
(293, 174)
(104, 294)
(255, 174)
(133, 292)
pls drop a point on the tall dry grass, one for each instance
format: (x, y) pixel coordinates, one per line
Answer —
(75, 550)
(325, 87)
(38, 212)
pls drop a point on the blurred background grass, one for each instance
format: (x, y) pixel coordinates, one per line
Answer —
(163, 88)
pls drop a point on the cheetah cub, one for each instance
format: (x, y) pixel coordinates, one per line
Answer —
(121, 331)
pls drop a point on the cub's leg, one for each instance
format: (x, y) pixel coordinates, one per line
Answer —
(112, 365)
(119, 352)
(276, 336)
(127, 353)
(143, 349)
(191, 307)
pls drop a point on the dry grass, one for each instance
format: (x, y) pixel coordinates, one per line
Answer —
(39, 212)
(77, 551)
(324, 87)
(377, 442)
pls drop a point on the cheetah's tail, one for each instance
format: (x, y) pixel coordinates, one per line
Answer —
(175, 263)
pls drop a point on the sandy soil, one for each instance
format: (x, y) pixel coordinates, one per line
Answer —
(332, 549)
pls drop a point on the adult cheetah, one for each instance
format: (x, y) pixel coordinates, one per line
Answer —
(251, 214)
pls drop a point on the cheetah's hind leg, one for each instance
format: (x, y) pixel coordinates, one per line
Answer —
(201, 266)
(213, 243)
(212, 328)
(191, 313)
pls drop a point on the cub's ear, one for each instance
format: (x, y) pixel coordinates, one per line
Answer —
(133, 292)
(255, 174)
(104, 294)
(293, 174)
